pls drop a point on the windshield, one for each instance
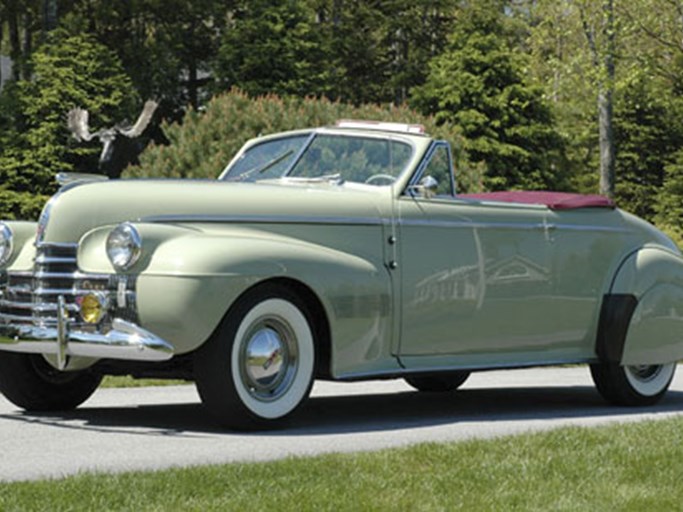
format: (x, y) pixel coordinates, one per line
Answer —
(376, 161)
(339, 157)
(269, 159)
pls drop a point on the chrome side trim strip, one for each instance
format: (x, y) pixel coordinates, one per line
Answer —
(470, 225)
(581, 227)
(510, 225)
(264, 219)
(369, 221)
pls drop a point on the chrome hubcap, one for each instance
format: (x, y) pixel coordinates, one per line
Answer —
(644, 372)
(268, 359)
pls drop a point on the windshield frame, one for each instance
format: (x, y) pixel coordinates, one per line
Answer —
(312, 135)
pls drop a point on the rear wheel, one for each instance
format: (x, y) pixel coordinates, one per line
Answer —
(30, 382)
(635, 385)
(259, 366)
(438, 383)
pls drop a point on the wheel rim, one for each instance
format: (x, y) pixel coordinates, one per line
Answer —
(269, 360)
(650, 380)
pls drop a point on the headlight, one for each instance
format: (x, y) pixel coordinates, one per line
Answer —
(124, 246)
(5, 243)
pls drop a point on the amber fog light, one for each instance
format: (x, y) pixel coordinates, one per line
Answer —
(92, 307)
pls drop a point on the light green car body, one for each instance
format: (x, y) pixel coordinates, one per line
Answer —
(404, 282)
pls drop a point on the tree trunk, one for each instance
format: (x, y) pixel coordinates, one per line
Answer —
(27, 47)
(605, 107)
(14, 41)
(2, 22)
(50, 15)
(192, 88)
(607, 157)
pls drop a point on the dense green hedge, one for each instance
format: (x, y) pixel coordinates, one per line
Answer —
(20, 205)
(206, 141)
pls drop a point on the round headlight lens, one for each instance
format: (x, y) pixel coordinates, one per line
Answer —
(124, 246)
(5, 243)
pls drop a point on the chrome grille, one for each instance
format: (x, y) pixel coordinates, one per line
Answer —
(31, 297)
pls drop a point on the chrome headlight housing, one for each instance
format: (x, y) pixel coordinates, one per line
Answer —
(6, 243)
(124, 246)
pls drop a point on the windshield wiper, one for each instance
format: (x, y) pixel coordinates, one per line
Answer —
(264, 167)
(336, 177)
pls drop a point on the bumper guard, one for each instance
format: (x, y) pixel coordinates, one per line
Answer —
(124, 341)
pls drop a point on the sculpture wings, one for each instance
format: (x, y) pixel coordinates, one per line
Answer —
(77, 122)
(142, 122)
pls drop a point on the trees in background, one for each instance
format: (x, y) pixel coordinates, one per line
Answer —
(204, 143)
(529, 82)
(479, 84)
(633, 49)
(67, 71)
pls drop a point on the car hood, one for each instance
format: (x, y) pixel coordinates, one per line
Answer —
(74, 211)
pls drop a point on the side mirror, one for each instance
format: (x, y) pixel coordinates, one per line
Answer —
(427, 187)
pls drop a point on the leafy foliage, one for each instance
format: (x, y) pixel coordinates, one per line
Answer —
(206, 141)
(478, 84)
(669, 204)
(520, 77)
(285, 54)
(68, 71)
(648, 134)
(20, 205)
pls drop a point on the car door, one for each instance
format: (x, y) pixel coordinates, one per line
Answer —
(475, 276)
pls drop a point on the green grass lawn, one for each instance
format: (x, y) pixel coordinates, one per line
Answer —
(126, 381)
(635, 467)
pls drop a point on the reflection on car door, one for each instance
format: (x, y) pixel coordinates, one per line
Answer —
(475, 278)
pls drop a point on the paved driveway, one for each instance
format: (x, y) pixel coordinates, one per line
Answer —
(151, 428)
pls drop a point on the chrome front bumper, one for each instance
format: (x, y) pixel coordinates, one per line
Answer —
(125, 340)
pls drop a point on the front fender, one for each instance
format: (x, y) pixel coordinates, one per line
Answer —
(23, 252)
(188, 278)
(653, 277)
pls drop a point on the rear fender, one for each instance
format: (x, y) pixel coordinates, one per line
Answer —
(644, 324)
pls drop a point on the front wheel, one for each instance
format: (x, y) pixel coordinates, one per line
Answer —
(259, 365)
(635, 385)
(30, 382)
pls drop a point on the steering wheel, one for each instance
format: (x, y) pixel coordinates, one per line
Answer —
(378, 177)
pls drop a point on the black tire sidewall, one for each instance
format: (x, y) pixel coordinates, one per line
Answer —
(438, 383)
(30, 382)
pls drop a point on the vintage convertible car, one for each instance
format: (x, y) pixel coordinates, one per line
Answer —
(341, 253)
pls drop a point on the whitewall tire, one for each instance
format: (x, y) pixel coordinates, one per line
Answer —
(259, 366)
(633, 385)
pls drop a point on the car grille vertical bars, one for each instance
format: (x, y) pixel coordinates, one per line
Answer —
(32, 297)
